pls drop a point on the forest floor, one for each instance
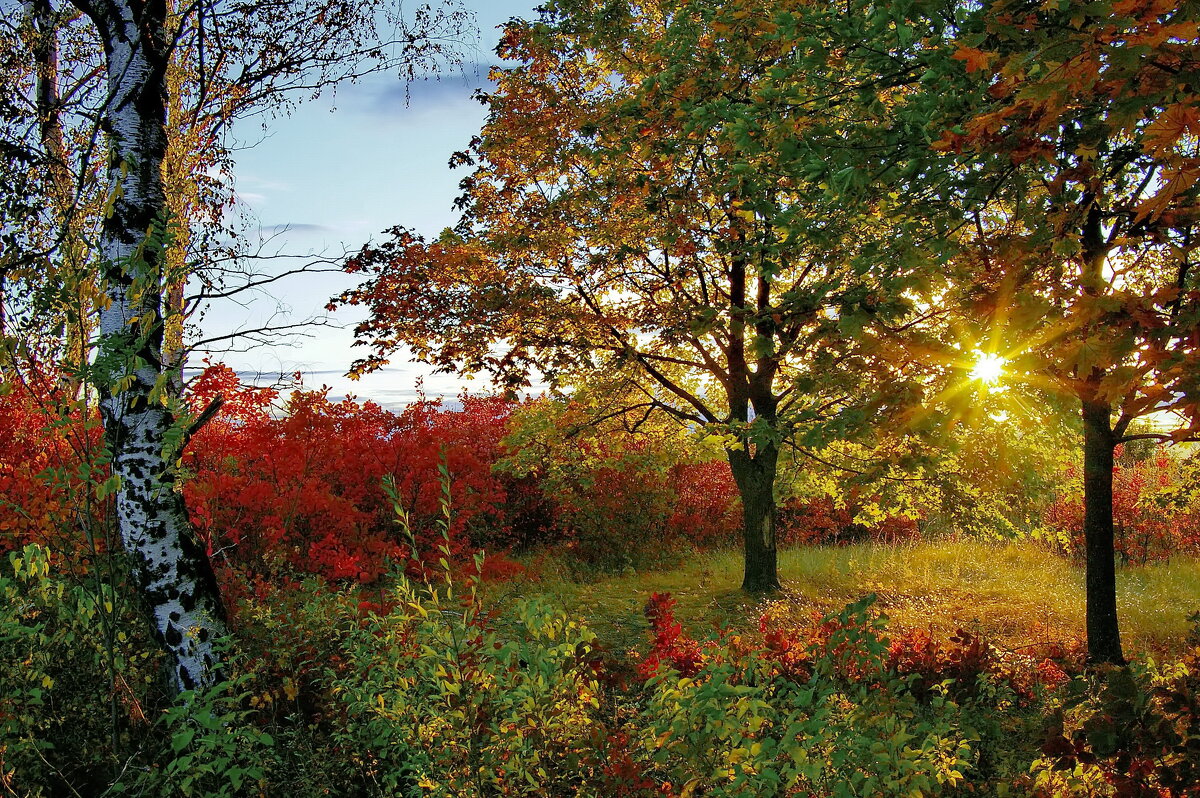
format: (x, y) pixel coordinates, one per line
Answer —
(1016, 595)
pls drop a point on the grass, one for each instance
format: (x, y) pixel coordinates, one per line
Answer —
(1016, 594)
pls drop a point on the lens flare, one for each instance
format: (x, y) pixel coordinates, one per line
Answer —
(988, 368)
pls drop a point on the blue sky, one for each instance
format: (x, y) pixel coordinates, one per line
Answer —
(334, 175)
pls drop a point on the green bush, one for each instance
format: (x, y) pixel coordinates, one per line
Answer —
(439, 700)
(215, 747)
(78, 680)
(843, 725)
(1132, 731)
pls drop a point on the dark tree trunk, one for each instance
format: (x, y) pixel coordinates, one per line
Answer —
(754, 474)
(1103, 633)
(78, 309)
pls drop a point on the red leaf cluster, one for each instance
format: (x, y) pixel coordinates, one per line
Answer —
(1145, 530)
(48, 449)
(670, 646)
(303, 490)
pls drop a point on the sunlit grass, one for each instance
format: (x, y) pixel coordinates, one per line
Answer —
(1018, 595)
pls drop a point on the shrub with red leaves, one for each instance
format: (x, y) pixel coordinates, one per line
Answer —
(1144, 530)
(50, 465)
(304, 490)
(670, 646)
(707, 506)
(820, 521)
(1138, 729)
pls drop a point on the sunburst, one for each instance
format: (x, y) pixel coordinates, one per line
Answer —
(988, 368)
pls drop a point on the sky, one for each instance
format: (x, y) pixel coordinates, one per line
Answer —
(334, 175)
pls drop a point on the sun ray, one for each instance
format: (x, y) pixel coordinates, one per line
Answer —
(988, 368)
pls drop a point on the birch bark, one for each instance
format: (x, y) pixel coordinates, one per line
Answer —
(170, 570)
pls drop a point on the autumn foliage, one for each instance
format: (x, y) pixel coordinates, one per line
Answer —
(294, 486)
(822, 521)
(1152, 519)
(51, 461)
(303, 489)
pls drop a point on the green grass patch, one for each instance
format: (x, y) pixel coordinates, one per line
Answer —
(1017, 594)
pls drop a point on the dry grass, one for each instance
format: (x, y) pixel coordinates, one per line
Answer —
(1015, 594)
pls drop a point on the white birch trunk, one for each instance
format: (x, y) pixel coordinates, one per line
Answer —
(170, 570)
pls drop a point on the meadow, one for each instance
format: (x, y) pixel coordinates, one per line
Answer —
(1016, 595)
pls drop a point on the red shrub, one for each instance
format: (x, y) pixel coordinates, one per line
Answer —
(670, 647)
(707, 507)
(820, 522)
(50, 465)
(1144, 531)
(924, 662)
(305, 490)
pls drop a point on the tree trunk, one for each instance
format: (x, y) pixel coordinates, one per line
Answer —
(77, 310)
(1103, 633)
(170, 570)
(755, 478)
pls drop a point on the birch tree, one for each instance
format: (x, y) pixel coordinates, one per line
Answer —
(244, 57)
(170, 571)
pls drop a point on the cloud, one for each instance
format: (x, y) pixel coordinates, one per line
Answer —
(399, 98)
(254, 181)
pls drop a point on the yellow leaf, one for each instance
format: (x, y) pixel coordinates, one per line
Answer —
(1175, 122)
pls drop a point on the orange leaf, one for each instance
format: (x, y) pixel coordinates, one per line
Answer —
(977, 60)
(1172, 124)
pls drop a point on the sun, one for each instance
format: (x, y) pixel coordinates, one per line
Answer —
(988, 368)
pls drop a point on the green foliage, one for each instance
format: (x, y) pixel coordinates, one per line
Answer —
(618, 481)
(1126, 732)
(440, 700)
(438, 704)
(215, 748)
(743, 726)
(75, 679)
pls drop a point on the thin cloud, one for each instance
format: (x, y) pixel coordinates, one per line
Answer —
(398, 98)
(255, 181)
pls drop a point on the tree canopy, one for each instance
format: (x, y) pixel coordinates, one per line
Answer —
(684, 189)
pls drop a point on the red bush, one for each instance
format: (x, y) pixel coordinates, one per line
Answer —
(1144, 531)
(707, 507)
(51, 460)
(670, 646)
(820, 521)
(924, 661)
(304, 489)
